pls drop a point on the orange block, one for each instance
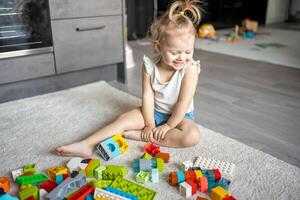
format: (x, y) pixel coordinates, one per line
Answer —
(4, 183)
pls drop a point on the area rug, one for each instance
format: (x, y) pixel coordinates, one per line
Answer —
(31, 128)
(274, 46)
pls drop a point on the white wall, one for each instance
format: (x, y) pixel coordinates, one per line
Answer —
(295, 7)
(277, 11)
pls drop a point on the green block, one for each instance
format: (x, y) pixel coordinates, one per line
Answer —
(130, 187)
(146, 156)
(113, 171)
(93, 164)
(142, 177)
(98, 172)
(101, 183)
(160, 164)
(33, 179)
(30, 191)
(29, 168)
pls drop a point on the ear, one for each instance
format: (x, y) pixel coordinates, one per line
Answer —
(157, 46)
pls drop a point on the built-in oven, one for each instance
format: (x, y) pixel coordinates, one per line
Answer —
(24, 27)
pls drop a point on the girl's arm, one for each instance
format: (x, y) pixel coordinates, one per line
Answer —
(187, 91)
(147, 105)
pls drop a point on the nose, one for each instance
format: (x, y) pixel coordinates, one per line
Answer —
(180, 56)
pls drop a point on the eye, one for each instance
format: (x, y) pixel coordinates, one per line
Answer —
(174, 53)
(188, 52)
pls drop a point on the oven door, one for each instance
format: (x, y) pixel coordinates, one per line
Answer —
(24, 27)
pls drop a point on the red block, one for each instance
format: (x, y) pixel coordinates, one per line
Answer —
(202, 184)
(173, 179)
(217, 174)
(82, 192)
(48, 185)
(193, 176)
(193, 185)
(229, 198)
(152, 149)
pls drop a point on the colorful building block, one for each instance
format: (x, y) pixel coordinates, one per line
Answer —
(218, 193)
(33, 179)
(98, 172)
(185, 165)
(8, 197)
(193, 186)
(152, 149)
(164, 156)
(229, 198)
(100, 194)
(141, 192)
(67, 186)
(110, 148)
(226, 168)
(142, 177)
(112, 171)
(202, 184)
(48, 185)
(154, 176)
(73, 164)
(121, 193)
(146, 156)
(185, 189)
(101, 183)
(82, 193)
(92, 165)
(16, 173)
(28, 192)
(4, 183)
(29, 169)
(121, 142)
(55, 171)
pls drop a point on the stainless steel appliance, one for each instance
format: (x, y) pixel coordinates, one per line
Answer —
(24, 27)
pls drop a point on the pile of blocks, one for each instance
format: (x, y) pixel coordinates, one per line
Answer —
(204, 175)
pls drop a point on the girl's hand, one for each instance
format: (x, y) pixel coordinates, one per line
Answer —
(159, 132)
(147, 134)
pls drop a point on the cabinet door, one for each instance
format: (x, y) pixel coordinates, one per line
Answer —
(62, 9)
(27, 67)
(87, 42)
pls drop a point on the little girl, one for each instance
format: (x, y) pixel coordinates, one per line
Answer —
(169, 82)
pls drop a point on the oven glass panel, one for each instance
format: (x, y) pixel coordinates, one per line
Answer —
(24, 24)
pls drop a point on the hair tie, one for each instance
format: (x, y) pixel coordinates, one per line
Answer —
(181, 13)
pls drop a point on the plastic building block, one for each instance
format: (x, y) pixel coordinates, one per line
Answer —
(160, 164)
(92, 165)
(29, 169)
(193, 186)
(202, 184)
(29, 191)
(185, 189)
(4, 183)
(112, 171)
(16, 173)
(217, 174)
(224, 183)
(82, 193)
(186, 165)
(112, 147)
(154, 176)
(55, 171)
(121, 193)
(173, 179)
(33, 179)
(8, 197)
(73, 164)
(101, 183)
(98, 172)
(68, 185)
(142, 177)
(121, 142)
(218, 193)
(103, 194)
(152, 149)
(146, 156)
(125, 185)
(164, 156)
(48, 185)
(201, 198)
(42, 194)
(229, 198)
(226, 168)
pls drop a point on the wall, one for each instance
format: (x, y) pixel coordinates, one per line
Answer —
(277, 11)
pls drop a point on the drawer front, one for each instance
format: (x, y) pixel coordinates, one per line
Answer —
(61, 9)
(27, 67)
(88, 42)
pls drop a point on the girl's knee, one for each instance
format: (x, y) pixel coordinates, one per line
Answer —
(192, 137)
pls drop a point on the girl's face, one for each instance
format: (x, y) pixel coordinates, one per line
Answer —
(176, 49)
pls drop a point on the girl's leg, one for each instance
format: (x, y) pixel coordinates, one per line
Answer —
(132, 120)
(186, 134)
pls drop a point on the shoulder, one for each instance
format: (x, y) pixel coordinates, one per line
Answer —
(194, 68)
(148, 64)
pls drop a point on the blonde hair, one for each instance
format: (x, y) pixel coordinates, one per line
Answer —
(181, 14)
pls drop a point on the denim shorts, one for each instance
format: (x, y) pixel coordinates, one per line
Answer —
(161, 118)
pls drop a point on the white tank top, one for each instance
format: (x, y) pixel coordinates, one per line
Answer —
(166, 94)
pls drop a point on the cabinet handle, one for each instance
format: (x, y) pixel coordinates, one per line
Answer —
(90, 29)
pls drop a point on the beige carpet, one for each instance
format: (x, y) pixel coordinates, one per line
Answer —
(32, 127)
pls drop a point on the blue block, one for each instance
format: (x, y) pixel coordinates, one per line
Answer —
(180, 175)
(112, 146)
(8, 197)
(59, 179)
(89, 197)
(120, 193)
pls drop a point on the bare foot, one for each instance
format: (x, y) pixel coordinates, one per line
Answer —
(133, 135)
(77, 149)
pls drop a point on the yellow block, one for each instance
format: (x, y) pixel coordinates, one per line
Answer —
(218, 193)
(198, 173)
(121, 142)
